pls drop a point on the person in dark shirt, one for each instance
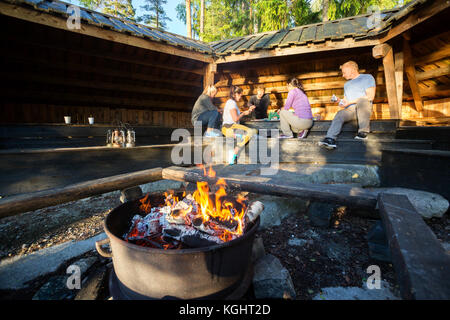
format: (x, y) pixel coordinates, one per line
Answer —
(261, 101)
(206, 113)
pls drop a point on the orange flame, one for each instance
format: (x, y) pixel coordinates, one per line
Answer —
(219, 207)
(145, 204)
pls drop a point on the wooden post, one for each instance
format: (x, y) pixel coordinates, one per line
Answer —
(411, 74)
(385, 51)
(399, 69)
(210, 71)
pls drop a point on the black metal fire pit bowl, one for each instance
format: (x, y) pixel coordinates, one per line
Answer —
(212, 272)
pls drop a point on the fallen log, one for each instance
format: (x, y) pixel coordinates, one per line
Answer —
(345, 195)
(420, 262)
(41, 199)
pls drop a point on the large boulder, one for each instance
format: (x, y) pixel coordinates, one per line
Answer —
(271, 280)
(356, 293)
(278, 208)
(427, 204)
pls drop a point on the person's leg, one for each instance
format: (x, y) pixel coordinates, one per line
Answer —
(215, 120)
(284, 123)
(340, 118)
(211, 119)
(299, 124)
(248, 133)
(363, 113)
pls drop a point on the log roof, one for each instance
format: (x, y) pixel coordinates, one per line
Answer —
(357, 29)
(106, 21)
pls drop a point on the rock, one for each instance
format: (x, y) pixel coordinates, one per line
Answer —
(17, 271)
(320, 213)
(297, 242)
(92, 285)
(338, 252)
(356, 293)
(161, 185)
(258, 250)
(378, 243)
(130, 194)
(427, 204)
(54, 289)
(446, 246)
(271, 280)
(85, 264)
(278, 208)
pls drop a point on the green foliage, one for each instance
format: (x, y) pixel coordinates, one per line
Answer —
(226, 19)
(118, 8)
(155, 15)
(346, 8)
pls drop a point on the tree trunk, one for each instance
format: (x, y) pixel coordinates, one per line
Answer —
(188, 19)
(202, 18)
(326, 4)
(157, 19)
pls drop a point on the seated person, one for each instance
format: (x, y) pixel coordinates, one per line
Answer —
(261, 101)
(205, 112)
(231, 126)
(359, 92)
(299, 121)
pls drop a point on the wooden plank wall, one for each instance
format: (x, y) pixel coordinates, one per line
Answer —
(49, 73)
(321, 78)
(46, 113)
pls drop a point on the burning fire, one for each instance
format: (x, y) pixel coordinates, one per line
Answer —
(214, 216)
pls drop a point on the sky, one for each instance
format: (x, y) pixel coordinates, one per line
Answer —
(174, 26)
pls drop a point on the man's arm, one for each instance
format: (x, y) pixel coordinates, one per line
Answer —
(370, 95)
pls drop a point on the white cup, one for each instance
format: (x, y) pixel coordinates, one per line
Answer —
(67, 119)
(91, 120)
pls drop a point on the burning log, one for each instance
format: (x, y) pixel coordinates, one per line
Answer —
(254, 211)
(199, 219)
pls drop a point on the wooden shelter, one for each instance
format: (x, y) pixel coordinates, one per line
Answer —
(115, 69)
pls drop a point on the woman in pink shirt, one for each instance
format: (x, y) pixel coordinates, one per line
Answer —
(299, 121)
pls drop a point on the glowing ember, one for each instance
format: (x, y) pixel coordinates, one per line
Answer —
(204, 216)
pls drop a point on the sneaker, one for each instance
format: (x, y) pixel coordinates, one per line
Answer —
(361, 136)
(302, 134)
(232, 159)
(283, 136)
(211, 134)
(328, 143)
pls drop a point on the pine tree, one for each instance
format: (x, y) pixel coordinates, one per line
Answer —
(118, 8)
(155, 15)
(188, 19)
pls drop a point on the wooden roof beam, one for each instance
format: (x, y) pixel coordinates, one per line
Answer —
(415, 18)
(309, 48)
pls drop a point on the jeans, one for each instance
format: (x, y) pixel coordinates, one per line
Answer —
(211, 119)
(361, 111)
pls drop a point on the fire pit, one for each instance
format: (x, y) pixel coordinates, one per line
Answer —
(180, 256)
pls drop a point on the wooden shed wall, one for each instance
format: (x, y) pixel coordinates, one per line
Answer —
(51, 73)
(320, 75)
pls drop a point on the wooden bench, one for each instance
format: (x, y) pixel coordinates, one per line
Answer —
(420, 262)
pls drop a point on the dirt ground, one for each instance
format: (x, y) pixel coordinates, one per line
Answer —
(334, 256)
